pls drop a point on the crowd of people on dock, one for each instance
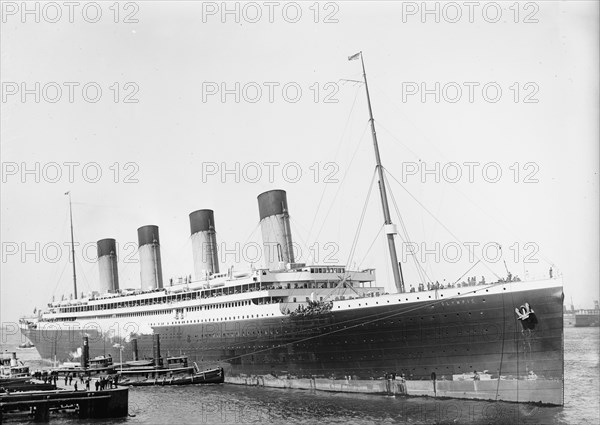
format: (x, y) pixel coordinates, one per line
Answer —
(45, 376)
(106, 382)
(73, 379)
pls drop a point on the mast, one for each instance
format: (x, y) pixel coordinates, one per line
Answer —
(390, 228)
(72, 246)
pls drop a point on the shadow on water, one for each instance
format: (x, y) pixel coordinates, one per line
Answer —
(241, 405)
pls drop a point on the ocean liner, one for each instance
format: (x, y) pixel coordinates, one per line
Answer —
(325, 327)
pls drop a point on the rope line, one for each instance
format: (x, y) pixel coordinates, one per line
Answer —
(335, 157)
(361, 220)
(439, 221)
(342, 181)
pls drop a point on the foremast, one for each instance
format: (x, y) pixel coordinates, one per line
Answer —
(390, 228)
(72, 247)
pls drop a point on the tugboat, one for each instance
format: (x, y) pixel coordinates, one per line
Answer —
(100, 365)
(11, 372)
(26, 345)
(175, 372)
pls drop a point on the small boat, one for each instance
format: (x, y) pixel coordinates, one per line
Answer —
(11, 372)
(99, 365)
(177, 372)
(10, 368)
(26, 345)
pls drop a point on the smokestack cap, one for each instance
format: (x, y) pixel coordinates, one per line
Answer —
(106, 247)
(272, 203)
(201, 221)
(147, 235)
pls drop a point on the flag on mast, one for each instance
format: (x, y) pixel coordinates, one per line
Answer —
(355, 56)
(66, 193)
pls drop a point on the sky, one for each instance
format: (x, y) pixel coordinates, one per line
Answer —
(486, 117)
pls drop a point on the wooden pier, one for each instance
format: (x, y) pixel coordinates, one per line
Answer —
(112, 403)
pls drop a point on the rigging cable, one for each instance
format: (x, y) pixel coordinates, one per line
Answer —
(59, 277)
(362, 217)
(335, 157)
(420, 270)
(438, 221)
(65, 264)
(371, 246)
(343, 179)
(498, 210)
(303, 243)
(356, 237)
(85, 280)
(502, 349)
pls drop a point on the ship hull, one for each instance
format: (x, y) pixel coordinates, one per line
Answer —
(430, 346)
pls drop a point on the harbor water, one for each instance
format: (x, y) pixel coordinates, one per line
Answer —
(232, 404)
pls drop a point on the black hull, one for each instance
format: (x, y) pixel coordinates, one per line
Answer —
(418, 340)
(209, 377)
